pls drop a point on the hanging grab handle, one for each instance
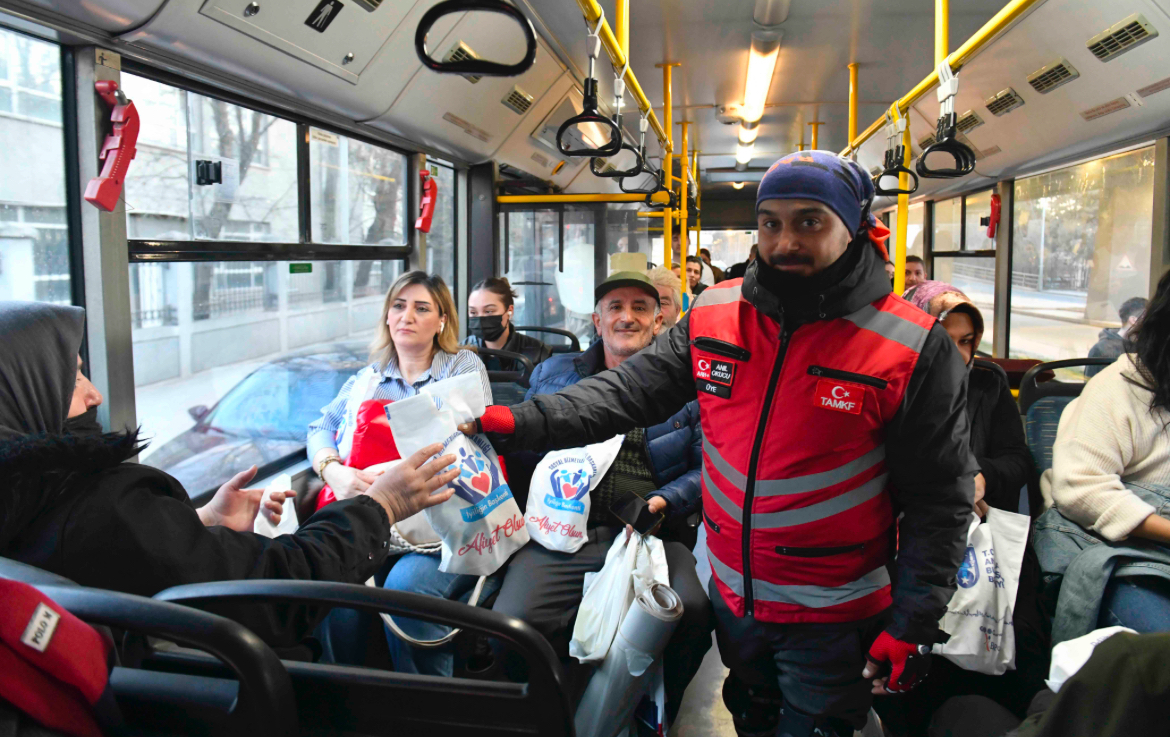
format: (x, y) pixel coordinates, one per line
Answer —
(895, 158)
(655, 187)
(590, 114)
(475, 67)
(946, 134)
(596, 163)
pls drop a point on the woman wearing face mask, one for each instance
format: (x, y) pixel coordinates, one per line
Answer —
(999, 447)
(416, 345)
(490, 308)
(72, 506)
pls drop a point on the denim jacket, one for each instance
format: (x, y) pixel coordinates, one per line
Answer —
(1080, 563)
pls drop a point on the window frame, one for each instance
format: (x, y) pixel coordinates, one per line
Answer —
(304, 249)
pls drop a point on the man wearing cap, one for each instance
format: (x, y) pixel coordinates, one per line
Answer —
(829, 407)
(660, 463)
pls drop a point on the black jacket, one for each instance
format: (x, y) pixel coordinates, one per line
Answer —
(1109, 344)
(997, 436)
(132, 528)
(518, 342)
(930, 463)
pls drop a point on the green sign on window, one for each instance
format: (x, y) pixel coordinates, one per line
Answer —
(300, 268)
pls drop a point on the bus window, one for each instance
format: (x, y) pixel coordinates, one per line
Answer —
(1081, 245)
(975, 276)
(914, 230)
(441, 239)
(727, 247)
(34, 236)
(231, 357)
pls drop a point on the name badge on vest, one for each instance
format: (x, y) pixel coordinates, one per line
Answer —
(715, 376)
(839, 396)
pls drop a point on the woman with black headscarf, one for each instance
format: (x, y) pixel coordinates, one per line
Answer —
(72, 506)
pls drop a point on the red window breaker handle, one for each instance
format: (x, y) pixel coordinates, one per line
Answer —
(426, 209)
(993, 221)
(117, 150)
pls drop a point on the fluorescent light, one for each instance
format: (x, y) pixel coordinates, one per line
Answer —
(743, 154)
(761, 65)
(748, 135)
(738, 185)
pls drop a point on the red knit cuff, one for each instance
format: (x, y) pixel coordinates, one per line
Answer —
(498, 418)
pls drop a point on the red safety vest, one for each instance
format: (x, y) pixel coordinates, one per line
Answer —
(795, 487)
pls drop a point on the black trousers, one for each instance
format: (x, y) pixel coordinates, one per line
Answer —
(816, 666)
(544, 588)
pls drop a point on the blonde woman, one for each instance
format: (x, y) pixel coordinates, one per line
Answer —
(417, 344)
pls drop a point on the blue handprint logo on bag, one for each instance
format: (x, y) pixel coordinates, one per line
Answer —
(570, 483)
(479, 484)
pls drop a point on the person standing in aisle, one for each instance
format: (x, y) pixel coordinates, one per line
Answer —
(829, 407)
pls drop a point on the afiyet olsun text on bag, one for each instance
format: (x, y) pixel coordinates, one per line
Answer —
(481, 525)
(559, 496)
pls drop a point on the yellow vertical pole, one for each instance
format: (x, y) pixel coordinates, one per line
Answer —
(942, 31)
(903, 212)
(852, 102)
(697, 227)
(621, 26)
(667, 159)
(816, 129)
(684, 166)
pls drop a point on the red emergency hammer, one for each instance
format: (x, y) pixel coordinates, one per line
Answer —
(117, 150)
(426, 209)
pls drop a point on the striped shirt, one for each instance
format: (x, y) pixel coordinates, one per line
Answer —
(325, 432)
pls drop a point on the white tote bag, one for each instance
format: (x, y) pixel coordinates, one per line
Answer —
(979, 615)
(481, 526)
(559, 495)
(631, 567)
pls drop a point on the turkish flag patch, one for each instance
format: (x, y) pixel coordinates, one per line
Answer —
(839, 396)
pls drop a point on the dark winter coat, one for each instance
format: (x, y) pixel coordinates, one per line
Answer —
(531, 348)
(132, 528)
(674, 447)
(1109, 344)
(997, 436)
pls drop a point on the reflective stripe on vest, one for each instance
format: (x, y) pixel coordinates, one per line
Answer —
(813, 597)
(796, 484)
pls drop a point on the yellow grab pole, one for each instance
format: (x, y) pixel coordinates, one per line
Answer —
(667, 158)
(652, 214)
(816, 129)
(621, 26)
(853, 101)
(698, 194)
(592, 12)
(903, 211)
(685, 165)
(942, 30)
(984, 36)
(535, 199)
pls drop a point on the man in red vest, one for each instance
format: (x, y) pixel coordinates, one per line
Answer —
(829, 407)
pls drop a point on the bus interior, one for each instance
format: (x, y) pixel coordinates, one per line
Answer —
(289, 160)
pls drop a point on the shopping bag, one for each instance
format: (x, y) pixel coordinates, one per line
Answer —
(979, 615)
(558, 498)
(618, 684)
(481, 525)
(371, 443)
(1070, 656)
(288, 515)
(632, 566)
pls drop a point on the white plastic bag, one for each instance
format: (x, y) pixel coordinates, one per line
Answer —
(979, 615)
(559, 495)
(481, 526)
(621, 680)
(631, 567)
(1071, 655)
(288, 515)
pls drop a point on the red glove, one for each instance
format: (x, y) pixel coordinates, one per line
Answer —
(497, 418)
(906, 663)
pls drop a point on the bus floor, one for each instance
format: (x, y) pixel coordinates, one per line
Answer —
(703, 714)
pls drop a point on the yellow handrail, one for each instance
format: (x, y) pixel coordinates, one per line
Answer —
(535, 199)
(852, 101)
(592, 13)
(685, 165)
(984, 36)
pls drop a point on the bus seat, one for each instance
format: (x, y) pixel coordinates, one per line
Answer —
(251, 694)
(334, 698)
(1015, 368)
(508, 387)
(574, 345)
(23, 572)
(1041, 404)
